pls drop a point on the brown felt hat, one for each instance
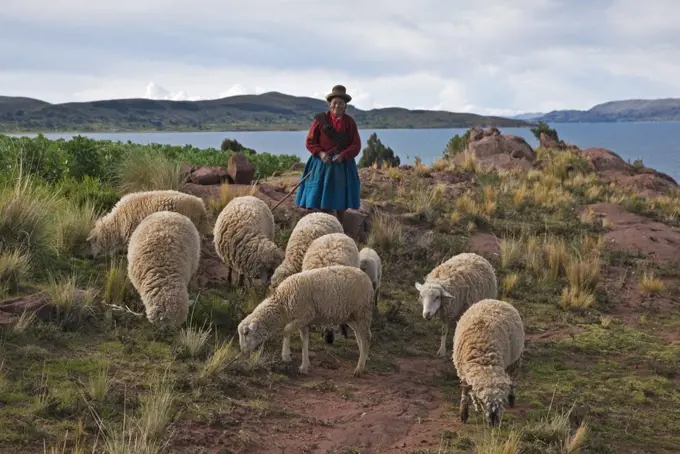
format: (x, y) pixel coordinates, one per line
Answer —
(339, 91)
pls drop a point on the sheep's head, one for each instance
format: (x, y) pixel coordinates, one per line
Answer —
(251, 334)
(280, 274)
(95, 240)
(269, 264)
(491, 400)
(431, 297)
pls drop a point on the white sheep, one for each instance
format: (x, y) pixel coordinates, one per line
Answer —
(331, 295)
(452, 287)
(244, 240)
(163, 256)
(327, 250)
(370, 263)
(487, 352)
(112, 231)
(307, 229)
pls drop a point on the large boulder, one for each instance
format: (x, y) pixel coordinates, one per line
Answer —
(240, 169)
(207, 175)
(498, 151)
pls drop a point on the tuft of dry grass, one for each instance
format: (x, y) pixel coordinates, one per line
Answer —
(117, 285)
(70, 302)
(15, 265)
(386, 233)
(556, 255)
(99, 383)
(494, 442)
(650, 284)
(555, 432)
(510, 252)
(193, 339)
(147, 171)
(222, 357)
(227, 194)
(510, 281)
(73, 225)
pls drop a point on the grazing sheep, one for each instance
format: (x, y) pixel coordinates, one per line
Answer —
(453, 286)
(244, 240)
(327, 250)
(332, 295)
(308, 228)
(163, 256)
(370, 263)
(112, 231)
(487, 349)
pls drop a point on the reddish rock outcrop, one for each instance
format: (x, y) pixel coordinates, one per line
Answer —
(207, 175)
(240, 169)
(498, 151)
(613, 169)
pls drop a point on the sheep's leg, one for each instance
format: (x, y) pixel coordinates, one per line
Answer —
(362, 333)
(285, 347)
(513, 371)
(464, 401)
(442, 345)
(304, 337)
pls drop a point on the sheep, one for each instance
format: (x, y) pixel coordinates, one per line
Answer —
(244, 240)
(331, 249)
(308, 228)
(333, 295)
(487, 353)
(163, 256)
(370, 263)
(452, 287)
(112, 231)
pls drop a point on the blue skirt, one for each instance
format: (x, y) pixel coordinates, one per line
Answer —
(332, 186)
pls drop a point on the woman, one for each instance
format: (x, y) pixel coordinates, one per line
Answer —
(333, 140)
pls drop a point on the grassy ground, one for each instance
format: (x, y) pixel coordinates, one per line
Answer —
(596, 376)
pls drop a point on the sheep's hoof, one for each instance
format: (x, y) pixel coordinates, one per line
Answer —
(304, 370)
(357, 373)
(441, 352)
(287, 358)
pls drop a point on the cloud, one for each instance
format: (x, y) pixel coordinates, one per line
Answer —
(492, 57)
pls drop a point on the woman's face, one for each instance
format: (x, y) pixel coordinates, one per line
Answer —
(337, 106)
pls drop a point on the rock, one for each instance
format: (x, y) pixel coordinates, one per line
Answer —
(492, 131)
(297, 166)
(611, 168)
(545, 141)
(186, 169)
(207, 175)
(357, 223)
(40, 303)
(240, 169)
(637, 234)
(499, 151)
(475, 134)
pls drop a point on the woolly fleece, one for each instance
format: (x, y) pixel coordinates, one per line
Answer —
(370, 263)
(244, 239)
(331, 295)
(327, 250)
(331, 249)
(453, 286)
(112, 231)
(488, 340)
(308, 228)
(163, 256)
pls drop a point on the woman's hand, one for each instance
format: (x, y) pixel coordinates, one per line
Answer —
(337, 158)
(324, 157)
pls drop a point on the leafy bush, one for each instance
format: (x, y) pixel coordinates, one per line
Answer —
(544, 128)
(457, 144)
(231, 145)
(377, 153)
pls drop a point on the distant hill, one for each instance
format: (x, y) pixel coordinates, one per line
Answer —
(267, 111)
(527, 116)
(619, 111)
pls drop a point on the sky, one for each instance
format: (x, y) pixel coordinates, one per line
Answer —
(495, 57)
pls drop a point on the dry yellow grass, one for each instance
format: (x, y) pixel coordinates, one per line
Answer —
(510, 252)
(509, 282)
(227, 194)
(650, 284)
(385, 232)
(556, 255)
(470, 162)
(15, 265)
(494, 442)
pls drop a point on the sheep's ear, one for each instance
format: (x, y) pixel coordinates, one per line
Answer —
(89, 238)
(446, 294)
(419, 286)
(253, 325)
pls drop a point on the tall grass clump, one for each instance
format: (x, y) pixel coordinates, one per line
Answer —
(148, 171)
(73, 225)
(27, 214)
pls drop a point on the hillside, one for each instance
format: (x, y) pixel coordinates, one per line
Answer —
(618, 111)
(267, 111)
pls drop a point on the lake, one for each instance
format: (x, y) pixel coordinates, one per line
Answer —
(656, 143)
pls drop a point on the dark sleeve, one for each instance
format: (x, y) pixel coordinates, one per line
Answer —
(312, 139)
(354, 146)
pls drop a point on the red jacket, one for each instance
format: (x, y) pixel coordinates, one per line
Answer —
(317, 140)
